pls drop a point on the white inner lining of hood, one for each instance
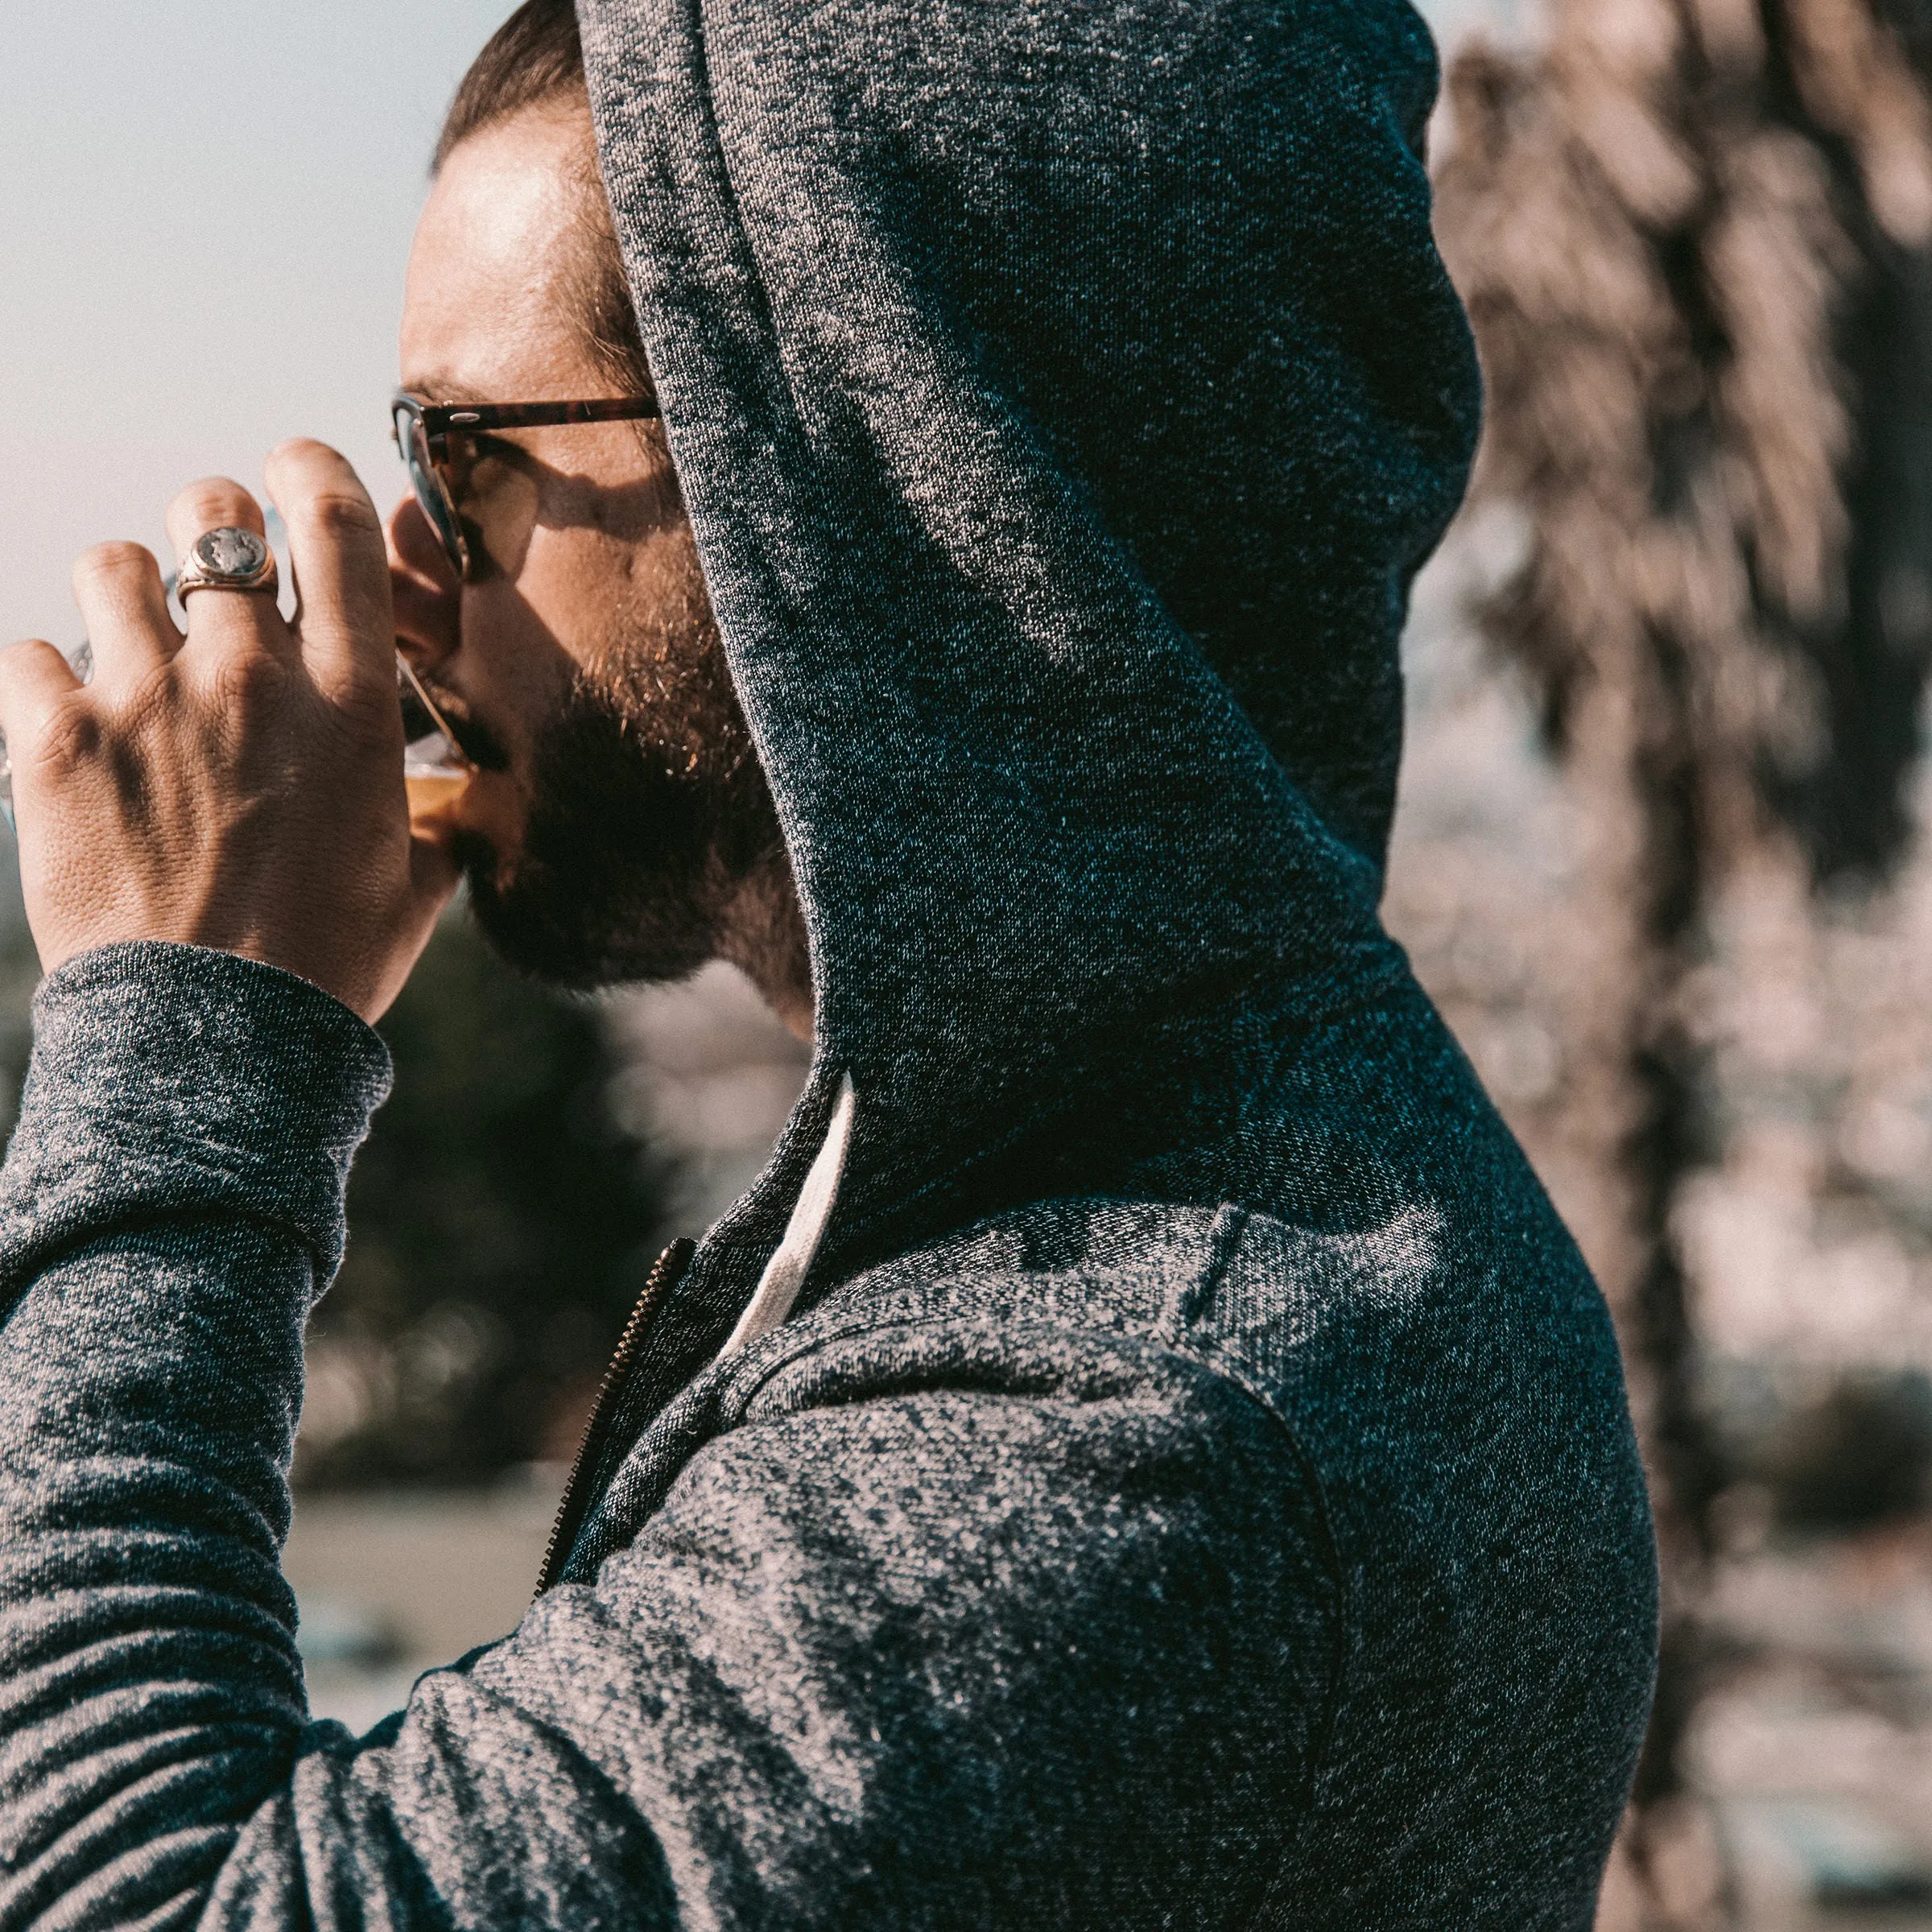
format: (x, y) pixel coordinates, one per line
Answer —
(791, 1261)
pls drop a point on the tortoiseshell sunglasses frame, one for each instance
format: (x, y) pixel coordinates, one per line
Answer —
(434, 421)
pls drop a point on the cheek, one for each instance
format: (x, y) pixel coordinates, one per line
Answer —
(669, 606)
(516, 661)
(558, 608)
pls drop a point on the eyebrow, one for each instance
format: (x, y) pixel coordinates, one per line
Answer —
(434, 388)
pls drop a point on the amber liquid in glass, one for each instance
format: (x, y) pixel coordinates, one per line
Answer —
(432, 788)
(434, 770)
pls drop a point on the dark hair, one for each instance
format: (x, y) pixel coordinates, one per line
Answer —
(535, 59)
(535, 56)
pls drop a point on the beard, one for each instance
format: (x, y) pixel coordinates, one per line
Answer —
(649, 810)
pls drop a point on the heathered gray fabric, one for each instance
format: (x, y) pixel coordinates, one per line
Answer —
(1196, 1489)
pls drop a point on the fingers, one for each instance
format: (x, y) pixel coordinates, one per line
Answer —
(124, 605)
(214, 503)
(34, 679)
(335, 539)
(224, 616)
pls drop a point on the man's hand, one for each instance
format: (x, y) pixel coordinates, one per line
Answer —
(241, 788)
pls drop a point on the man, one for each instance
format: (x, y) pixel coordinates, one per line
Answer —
(1144, 1453)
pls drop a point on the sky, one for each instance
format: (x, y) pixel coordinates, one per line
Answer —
(206, 211)
(206, 208)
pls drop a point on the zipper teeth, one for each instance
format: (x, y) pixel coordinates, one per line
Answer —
(664, 1274)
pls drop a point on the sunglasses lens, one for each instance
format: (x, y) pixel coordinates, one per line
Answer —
(431, 493)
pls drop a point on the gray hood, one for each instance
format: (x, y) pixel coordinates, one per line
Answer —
(1064, 396)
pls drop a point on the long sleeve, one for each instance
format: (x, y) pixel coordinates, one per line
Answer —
(171, 1207)
(923, 1616)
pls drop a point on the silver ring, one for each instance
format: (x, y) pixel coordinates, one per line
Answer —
(227, 558)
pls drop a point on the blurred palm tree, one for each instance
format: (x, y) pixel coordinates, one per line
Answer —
(1693, 236)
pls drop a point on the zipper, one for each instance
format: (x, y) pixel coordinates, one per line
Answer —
(666, 1273)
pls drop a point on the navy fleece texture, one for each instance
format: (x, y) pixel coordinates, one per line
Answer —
(1196, 1489)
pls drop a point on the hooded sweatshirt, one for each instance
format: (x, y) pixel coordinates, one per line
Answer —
(1145, 1453)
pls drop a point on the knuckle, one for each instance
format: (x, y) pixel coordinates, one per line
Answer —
(367, 702)
(342, 514)
(17, 658)
(106, 561)
(212, 501)
(247, 681)
(67, 737)
(21, 663)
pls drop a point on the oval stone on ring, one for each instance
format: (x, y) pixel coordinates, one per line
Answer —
(227, 558)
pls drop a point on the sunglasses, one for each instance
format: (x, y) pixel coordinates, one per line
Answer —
(479, 495)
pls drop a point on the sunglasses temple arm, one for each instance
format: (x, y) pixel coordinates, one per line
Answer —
(429, 705)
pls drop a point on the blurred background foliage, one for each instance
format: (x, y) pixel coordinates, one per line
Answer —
(500, 1230)
(1663, 858)
(1690, 609)
(501, 1222)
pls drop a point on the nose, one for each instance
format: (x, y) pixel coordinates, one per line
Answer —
(428, 593)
